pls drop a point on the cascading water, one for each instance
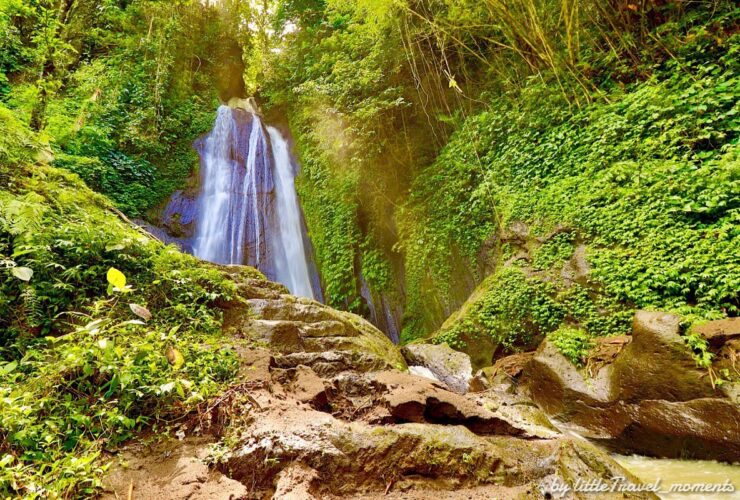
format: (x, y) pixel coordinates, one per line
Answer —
(248, 209)
(292, 270)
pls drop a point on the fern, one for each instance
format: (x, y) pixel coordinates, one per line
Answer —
(33, 308)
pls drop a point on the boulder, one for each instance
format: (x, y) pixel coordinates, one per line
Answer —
(308, 387)
(506, 372)
(264, 313)
(325, 408)
(479, 382)
(651, 399)
(423, 371)
(576, 269)
(331, 363)
(312, 452)
(295, 483)
(563, 390)
(254, 365)
(700, 428)
(657, 364)
(415, 399)
(605, 351)
(719, 332)
(452, 368)
(511, 366)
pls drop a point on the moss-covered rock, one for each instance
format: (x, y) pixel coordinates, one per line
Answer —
(649, 398)
(450, 367)
(658, 364)
(307, 329)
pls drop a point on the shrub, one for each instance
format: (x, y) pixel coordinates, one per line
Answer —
(85, 363)
(573, 343)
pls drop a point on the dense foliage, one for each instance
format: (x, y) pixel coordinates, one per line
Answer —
(647, 181)
(104, 332)
(608, 126)
(121, 88)
(342, 87)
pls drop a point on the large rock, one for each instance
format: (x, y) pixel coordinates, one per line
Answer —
(452, 368)
(414, 399)
(719, 332)
(312, 452)
(303, 328)
(657, 364)
(561, 389)
(651, 399)
(700, 428)
(178, 217)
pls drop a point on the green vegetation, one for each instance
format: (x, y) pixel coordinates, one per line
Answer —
(648, 182)
(115, 92)
(608, 126)
(105, 332)
(426, 130)
(572, 342)
(513, 311)
(120, 88)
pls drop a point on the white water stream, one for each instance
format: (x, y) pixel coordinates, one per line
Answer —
(292, 268)
(248, 209)
(221, 212)
(683, 475)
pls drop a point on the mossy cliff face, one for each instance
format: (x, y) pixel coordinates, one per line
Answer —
(584, 217)
(576, 212)
(540, 287)
(647, 214)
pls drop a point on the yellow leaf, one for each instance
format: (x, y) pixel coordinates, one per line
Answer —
(116, 278)
(175, 358)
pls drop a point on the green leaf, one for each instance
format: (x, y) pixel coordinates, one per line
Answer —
(116, 278)
(9, 367)
(22, 273)
(112, 386)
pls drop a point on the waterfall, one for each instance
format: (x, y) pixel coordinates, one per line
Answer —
(220, 215)
(293, 270)
(247, 209)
